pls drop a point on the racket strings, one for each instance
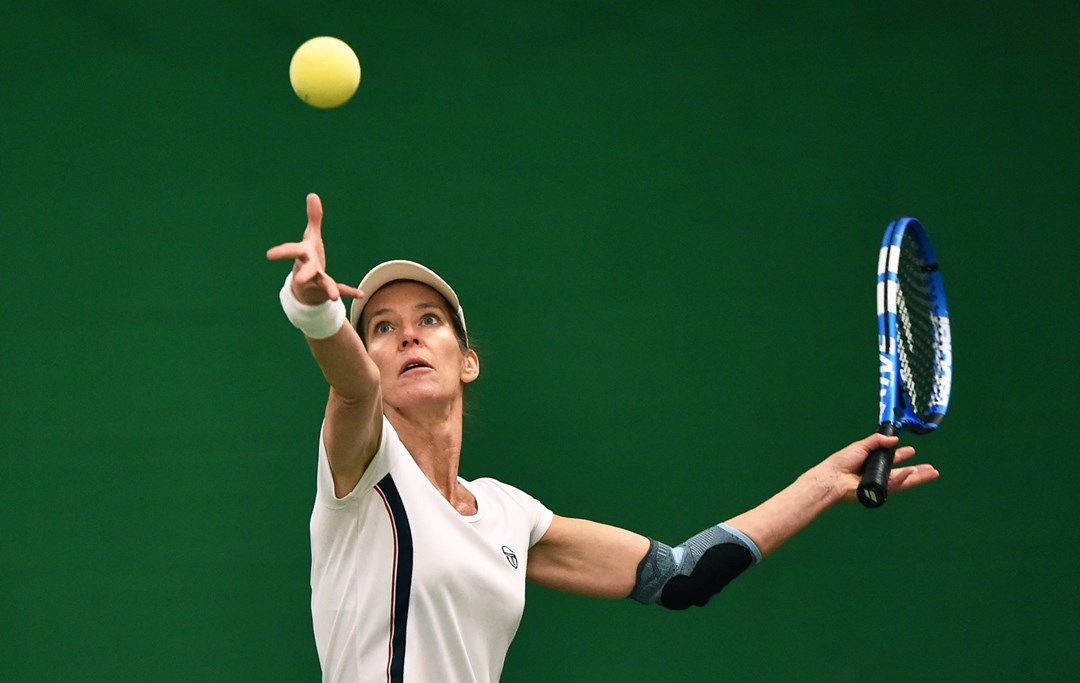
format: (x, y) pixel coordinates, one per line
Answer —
(917, 331)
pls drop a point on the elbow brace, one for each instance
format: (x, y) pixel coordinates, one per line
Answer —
(694, 571)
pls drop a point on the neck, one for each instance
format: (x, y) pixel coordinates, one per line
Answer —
(433, 437)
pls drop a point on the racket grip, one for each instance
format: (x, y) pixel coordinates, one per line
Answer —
(874, 487)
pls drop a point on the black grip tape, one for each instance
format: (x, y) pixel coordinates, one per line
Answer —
(874, 488)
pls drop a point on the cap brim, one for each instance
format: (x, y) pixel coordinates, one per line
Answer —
(390, 271)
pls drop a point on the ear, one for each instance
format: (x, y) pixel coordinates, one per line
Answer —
(470, 366)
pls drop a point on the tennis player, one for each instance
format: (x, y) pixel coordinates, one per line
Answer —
(419, 575)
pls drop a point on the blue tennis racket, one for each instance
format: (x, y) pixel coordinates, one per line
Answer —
(914, 347)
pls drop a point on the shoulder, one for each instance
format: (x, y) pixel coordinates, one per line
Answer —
(388, 458)
(513, 503)
(494, 486)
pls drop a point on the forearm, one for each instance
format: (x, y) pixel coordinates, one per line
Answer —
(351, 428)
(693, 572)
(346, 366)
(775, 521)
(592, 559)
(334, 343)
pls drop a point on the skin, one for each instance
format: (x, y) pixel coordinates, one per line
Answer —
(409, 323)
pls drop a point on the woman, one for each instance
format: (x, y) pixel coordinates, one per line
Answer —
(418, 575)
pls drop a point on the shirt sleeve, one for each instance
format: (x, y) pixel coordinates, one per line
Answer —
(538, 515)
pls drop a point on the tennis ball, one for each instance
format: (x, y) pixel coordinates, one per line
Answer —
(324, 72)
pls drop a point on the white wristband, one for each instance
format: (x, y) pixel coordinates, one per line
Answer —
(317, 322)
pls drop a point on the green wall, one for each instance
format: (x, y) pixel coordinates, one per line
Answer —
(663, 221)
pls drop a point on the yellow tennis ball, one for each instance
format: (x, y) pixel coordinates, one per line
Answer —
(324, 72)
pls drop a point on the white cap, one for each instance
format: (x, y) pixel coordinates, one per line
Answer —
(390, 271)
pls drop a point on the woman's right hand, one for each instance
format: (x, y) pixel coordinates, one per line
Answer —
(311, 284)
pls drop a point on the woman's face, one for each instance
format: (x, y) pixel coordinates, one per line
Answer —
(410, 337)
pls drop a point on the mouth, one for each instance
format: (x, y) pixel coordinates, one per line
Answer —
(414, 364)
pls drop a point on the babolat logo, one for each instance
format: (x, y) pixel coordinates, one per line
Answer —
(510, 557)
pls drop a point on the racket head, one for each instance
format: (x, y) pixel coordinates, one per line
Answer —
(914, 338)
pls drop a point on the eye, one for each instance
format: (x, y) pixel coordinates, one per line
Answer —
(382, 328)
(429, 319)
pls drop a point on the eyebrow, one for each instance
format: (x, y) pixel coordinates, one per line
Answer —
(423, 305)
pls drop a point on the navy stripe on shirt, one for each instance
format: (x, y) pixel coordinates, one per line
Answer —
(402, 577)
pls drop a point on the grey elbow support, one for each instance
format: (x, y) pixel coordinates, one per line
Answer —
(694, 571)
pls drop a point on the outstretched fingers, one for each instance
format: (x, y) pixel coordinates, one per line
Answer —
(308, 272)
(903, 453)
(910, 476)
(314, 214)
(350, 291)
(310, 282)
(289, 250)
(904, 478)
(877, 440)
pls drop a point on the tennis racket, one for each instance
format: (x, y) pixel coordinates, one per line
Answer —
(914, 347)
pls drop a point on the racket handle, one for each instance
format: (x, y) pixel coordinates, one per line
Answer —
(874, 487)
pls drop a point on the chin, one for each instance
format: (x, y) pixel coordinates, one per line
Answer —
(418, 395)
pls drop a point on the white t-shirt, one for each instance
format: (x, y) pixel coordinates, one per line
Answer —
(405, 588)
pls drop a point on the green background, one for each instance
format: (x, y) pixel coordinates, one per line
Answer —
(663, 220)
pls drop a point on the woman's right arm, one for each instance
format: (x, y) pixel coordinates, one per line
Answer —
(353, 420)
